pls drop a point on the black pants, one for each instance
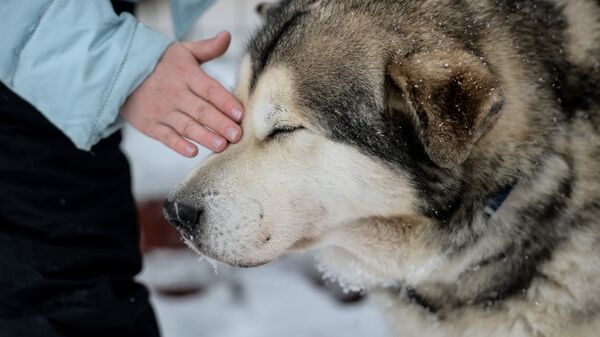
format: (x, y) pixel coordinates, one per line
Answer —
(68, 234)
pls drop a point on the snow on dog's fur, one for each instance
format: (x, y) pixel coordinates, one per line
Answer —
(380, 132)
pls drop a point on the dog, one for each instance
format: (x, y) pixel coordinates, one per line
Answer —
(442, 154)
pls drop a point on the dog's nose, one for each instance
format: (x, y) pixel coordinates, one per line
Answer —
(182, 216)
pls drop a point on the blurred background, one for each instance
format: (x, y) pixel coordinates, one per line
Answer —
(195, 297)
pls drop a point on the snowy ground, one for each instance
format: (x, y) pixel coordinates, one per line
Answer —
(272, 301)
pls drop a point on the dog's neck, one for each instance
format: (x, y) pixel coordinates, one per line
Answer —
(493, 272)
(494, 204)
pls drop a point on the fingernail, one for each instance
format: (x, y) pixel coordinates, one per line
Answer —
(237, 114)
(218, 143)
(218, 35)
(232, 134)
(190, 151)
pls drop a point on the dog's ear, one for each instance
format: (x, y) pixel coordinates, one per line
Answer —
(264, 9)
(453, 96)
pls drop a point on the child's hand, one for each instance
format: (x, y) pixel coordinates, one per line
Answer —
(178, 101)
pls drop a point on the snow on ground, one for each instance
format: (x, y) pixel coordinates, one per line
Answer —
(271, 301)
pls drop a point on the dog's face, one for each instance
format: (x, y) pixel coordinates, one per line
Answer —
(287, 185)
(343, 118)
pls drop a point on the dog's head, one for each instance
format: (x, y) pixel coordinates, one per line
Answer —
(346, 115)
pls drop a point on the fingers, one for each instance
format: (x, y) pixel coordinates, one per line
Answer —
(189, 128)
(208, 88)
(207, 50)
(173, 140)
(212, 91)
(206, 114)
(179, 104)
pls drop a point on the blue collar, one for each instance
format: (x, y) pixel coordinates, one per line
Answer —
(496, 201)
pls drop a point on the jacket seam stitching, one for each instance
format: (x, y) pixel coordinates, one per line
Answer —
(28, 38)
(111, 87)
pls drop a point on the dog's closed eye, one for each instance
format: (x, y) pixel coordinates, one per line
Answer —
(282, 131)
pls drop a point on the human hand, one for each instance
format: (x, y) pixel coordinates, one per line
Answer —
(179, 101)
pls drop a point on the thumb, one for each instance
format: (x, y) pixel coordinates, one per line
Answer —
(207, 50)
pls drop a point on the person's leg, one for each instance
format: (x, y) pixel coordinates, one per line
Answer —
(68, 234)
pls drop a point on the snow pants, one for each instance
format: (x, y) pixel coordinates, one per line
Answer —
(68, 234)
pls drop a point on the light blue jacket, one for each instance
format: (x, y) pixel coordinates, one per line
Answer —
(77, 61)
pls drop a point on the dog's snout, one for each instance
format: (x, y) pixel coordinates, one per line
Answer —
(182, 216)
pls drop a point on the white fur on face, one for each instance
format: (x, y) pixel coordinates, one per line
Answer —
(262, 198)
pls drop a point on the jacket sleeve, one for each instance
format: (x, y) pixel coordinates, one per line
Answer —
(76, 61)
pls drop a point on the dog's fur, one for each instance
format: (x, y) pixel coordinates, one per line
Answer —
(378, 131)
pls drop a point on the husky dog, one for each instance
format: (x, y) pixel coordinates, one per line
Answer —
(444, 154)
